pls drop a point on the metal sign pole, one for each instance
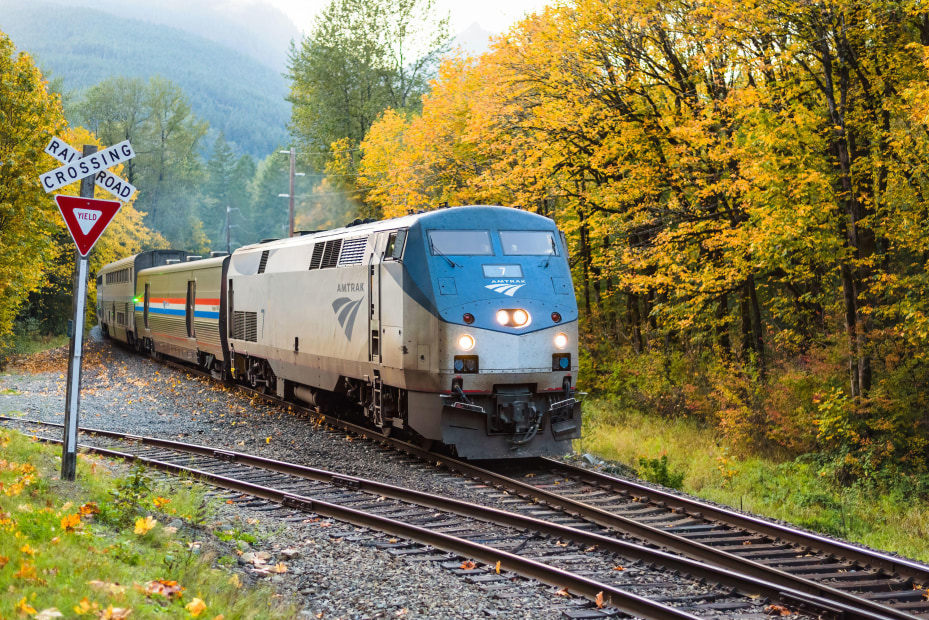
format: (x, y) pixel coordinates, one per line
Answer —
(73, 395)
(293, 170)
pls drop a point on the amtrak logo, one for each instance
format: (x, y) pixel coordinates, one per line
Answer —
(507, 287)
(345, 310)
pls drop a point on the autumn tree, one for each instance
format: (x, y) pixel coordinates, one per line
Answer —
(29, 221)
(850, 62)
(267, 213)
(157, 118)
(115, 110)
(733, 178)
(49, 307)
(361, 57)
(418, 161)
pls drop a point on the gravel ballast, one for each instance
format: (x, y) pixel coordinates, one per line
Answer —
(327, 576)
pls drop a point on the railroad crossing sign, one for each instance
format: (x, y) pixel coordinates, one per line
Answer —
(86, 218)
(75, 168)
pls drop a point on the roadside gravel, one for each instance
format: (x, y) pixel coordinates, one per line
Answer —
(327, 576)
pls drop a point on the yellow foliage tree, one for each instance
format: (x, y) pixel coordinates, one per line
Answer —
(29, 116)
(126, 235)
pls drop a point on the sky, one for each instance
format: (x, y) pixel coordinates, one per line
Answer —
(495, 16)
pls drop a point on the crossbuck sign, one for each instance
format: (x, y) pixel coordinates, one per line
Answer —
(77, 167)
(86, 219)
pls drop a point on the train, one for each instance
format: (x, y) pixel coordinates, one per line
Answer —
(456, 326)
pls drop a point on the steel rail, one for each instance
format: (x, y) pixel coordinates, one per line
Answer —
(899, 566)
(525, 567)
(667, 540)
(826, 599)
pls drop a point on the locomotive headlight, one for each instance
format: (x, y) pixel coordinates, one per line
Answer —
(520, 317)
(503, 317)
(561, 340)
(465, 342)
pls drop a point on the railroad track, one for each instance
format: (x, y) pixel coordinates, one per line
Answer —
(652, 583)
(782, 555)
(792, 558)
(891, 581)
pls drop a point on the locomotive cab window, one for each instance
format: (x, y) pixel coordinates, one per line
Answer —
(460, 243)
(528, 243)
(394, 249)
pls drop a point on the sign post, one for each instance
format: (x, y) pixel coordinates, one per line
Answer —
(73, 394)
(86, 219)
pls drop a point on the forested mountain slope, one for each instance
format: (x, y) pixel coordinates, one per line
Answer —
(236, 94)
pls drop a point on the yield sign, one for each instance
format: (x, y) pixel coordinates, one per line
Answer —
(86, 218)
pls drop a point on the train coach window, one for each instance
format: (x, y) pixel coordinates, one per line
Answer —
(146, 301)
(460, 243)
(528, 243)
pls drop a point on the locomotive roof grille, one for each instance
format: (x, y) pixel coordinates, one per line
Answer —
(331, 254)
(353, 251)
(317, 255)
(264, 261)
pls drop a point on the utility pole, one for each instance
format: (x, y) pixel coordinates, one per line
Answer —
(227, 229)
(293, 173)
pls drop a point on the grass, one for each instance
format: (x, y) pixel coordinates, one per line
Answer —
(799, 491)
(100, 546)
(28, 344)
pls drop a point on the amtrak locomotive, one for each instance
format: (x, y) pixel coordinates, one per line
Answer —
(456, 326)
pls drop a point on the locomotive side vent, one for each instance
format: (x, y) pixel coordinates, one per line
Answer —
(245, 326)
(317, 255)
(353, 251)
(331, 254)
(264, 262)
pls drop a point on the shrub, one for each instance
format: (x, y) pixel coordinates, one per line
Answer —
(657, 471)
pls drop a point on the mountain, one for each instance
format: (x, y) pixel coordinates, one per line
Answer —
(235, 93)
(474, 40)
(251, 27)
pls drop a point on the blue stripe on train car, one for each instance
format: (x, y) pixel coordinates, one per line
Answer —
(200, 314)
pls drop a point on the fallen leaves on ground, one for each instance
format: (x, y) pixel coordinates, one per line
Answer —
(69, 523)
(113, 589)
(27, 572)
(468, 565)
(114, 613)
(163, 587)
(195, 607)
(24, 608)
(144, 525)
(85, 607)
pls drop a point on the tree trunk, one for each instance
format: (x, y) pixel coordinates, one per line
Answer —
(757, 332)
(722, 328)
(632, 315)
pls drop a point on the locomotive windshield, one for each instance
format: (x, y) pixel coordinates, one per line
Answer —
(460, 243)
(528, 243)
